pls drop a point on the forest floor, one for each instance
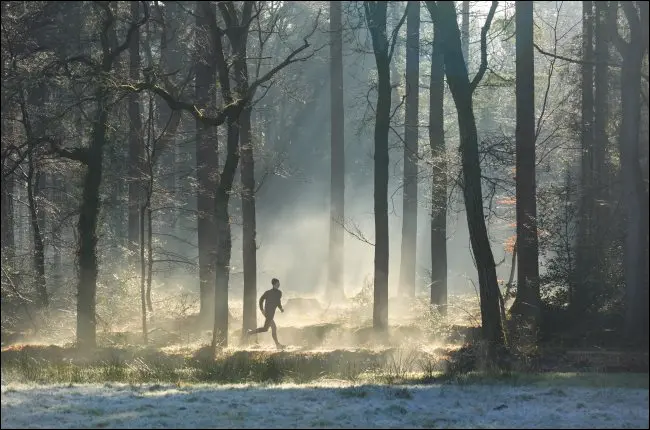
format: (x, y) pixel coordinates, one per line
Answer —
(334, 373)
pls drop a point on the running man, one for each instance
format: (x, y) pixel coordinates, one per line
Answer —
(268, 302)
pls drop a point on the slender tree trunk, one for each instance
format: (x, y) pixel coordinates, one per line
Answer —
(584, 263)
(410, 188)
(143, 300)
(33, 179)
(464, 32)
(249, 244)
(439, 175)
(33, 130)
(461, 91)
(527, 301)
(337, 169)
(207, 166)
(635, 259)
(376, 19)
(135, 142)
(224, 238)
(149, 259)
(7, 215)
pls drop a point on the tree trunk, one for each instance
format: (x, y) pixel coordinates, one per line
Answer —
(7, 215)
(376, 19)
(149, 258)
(410, 187)
(135, 143)
(527, 301)
(635, 258)
(249, 245)
(207, 166)
(337, 169)
(439, 175)
(143, 300)
(33, 188)
(584, 262)
(464, 41)
(461, 91)
(224, 239)
(87, 229)
(33, 130)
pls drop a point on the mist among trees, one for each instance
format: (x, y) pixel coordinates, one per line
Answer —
(409, 171)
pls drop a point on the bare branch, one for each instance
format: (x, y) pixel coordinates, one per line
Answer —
(484, 31)
(354, 231)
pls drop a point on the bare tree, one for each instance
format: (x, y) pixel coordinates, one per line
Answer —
(410, 188)
(337, 170)
(383, 48)
(635, 197)
(439, 174)
(444, 15)
(527, 301)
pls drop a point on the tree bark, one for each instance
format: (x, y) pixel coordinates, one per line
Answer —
(584, 262)
(135, 142)
(461, 90)
(87, 228)
(143, 300)
(376, 19)
(465, 32)
(439, 175)
(635, 258)
(249, 243)
(410, 187)
(337, 169)
(33, 130)
(207, 166)
(527, 301)
(224, 237)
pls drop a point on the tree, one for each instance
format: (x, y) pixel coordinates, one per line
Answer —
(444, 15)
(584, 261)
(375, 13)
(635, 197)
(207, 164)
(410, 190)
(92, 158)
(464, 33)
(527, 301)
(439, 174)
(135, 141)
(337, 168)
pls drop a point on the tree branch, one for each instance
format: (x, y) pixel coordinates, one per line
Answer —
(484, 31)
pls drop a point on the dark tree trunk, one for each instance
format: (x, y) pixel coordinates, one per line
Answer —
(461, 91)
(337, 169)
(410, 187)
(33, 130)
(33, 191)
(143, 299)
(224, 237)
(635, 201)
(464, 33)
(527, 301)
(584, 262)
(7, 214)
(87, 229)
(376, 19)
(439, 175)
(249, 244)
(135, 143)
(207, 166)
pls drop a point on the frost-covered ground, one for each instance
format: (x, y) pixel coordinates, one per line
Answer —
(333, 404)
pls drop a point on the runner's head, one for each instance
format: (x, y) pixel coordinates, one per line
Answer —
(275, 282)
